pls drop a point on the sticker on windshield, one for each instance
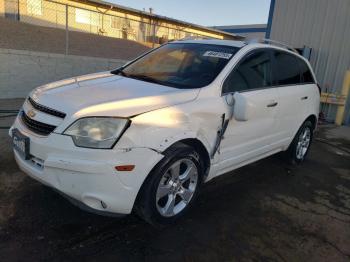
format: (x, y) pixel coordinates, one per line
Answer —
(217, 54)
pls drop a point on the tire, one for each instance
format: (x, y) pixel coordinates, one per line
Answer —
(180, 191)
(301, 143)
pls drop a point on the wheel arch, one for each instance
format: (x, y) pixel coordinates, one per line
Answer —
(313, 119)
(191, 142)
(199, 147)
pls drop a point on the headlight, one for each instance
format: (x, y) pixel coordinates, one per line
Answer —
(97, 132)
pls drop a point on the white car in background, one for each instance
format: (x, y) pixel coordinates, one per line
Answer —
(145, 137)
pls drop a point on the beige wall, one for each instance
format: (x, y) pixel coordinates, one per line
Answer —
(2, 8)
(54, 15)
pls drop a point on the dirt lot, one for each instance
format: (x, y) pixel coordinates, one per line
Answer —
(266, 211)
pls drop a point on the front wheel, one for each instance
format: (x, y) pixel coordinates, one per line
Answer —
(172, 186)
(301, 143)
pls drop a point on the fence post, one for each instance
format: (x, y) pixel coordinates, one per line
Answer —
(18, 10)
(67, 31)
(153, 32)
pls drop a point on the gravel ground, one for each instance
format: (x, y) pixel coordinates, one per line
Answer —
(266, 211)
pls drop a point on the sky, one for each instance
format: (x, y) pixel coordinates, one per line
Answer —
(206, 12)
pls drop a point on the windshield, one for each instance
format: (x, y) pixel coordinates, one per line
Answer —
(181, 65)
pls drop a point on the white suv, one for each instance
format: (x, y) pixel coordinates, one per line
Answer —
(145, 137)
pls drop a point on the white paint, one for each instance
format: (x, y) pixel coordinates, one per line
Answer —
(160, 117)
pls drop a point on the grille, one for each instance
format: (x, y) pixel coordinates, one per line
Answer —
(45, 109)
(35, 126)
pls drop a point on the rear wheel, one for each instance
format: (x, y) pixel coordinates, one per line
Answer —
(172, 186)
(301, 143)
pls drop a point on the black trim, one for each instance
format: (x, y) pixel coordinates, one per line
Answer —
(269, 87)
(35, 126)
(46, 109)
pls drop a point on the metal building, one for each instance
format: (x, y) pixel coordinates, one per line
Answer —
(324, 26)
(254, 31)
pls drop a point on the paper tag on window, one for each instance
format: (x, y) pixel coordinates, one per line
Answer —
(217, 54)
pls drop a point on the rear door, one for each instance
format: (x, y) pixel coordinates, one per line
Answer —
(293, 95)
(246, 140)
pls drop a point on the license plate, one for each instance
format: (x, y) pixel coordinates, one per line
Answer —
(21, 143)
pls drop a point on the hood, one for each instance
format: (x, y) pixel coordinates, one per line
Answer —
(105, 94)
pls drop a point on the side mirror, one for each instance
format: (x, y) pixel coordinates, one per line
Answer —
(242, 108)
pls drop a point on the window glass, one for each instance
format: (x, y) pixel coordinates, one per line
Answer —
(86, 17)
(34, 7)
(181, 65)
(306, 76)
(253, 72)
(286, 70)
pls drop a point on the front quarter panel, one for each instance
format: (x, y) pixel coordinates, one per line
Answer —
(199, 119)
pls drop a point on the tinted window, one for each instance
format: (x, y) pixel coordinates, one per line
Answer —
(253, 72)
(286, 70)
(181, 65)
(306, 76)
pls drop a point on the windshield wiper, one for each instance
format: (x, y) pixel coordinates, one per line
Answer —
(119, 71)
(145, 78)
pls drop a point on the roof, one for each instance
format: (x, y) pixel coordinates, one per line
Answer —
(154, 16)
(239, 44)
(233, 43)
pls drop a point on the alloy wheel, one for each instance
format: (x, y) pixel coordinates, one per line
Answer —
(303, 143)
(177, 187)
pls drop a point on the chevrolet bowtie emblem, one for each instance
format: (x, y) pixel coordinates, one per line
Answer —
(31, 113)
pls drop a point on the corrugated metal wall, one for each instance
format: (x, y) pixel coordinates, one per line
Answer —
(323, 25)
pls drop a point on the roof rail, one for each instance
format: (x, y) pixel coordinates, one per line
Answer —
(272, 42)
(195, 38)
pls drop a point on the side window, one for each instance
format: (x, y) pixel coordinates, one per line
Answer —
(286, 70)
(306, 76)
(254, 71)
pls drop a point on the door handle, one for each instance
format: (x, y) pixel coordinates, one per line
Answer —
(273, 104)
(304, 98)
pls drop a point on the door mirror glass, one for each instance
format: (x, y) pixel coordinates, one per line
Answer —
(230, 99)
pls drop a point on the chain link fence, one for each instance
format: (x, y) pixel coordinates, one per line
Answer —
(104, 22)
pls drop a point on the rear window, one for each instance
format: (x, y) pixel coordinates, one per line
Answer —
(286, 70)
(306, 75)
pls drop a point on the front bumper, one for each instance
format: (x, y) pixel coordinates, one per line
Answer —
(87, 175)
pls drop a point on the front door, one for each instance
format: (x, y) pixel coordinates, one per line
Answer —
(247, 140)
